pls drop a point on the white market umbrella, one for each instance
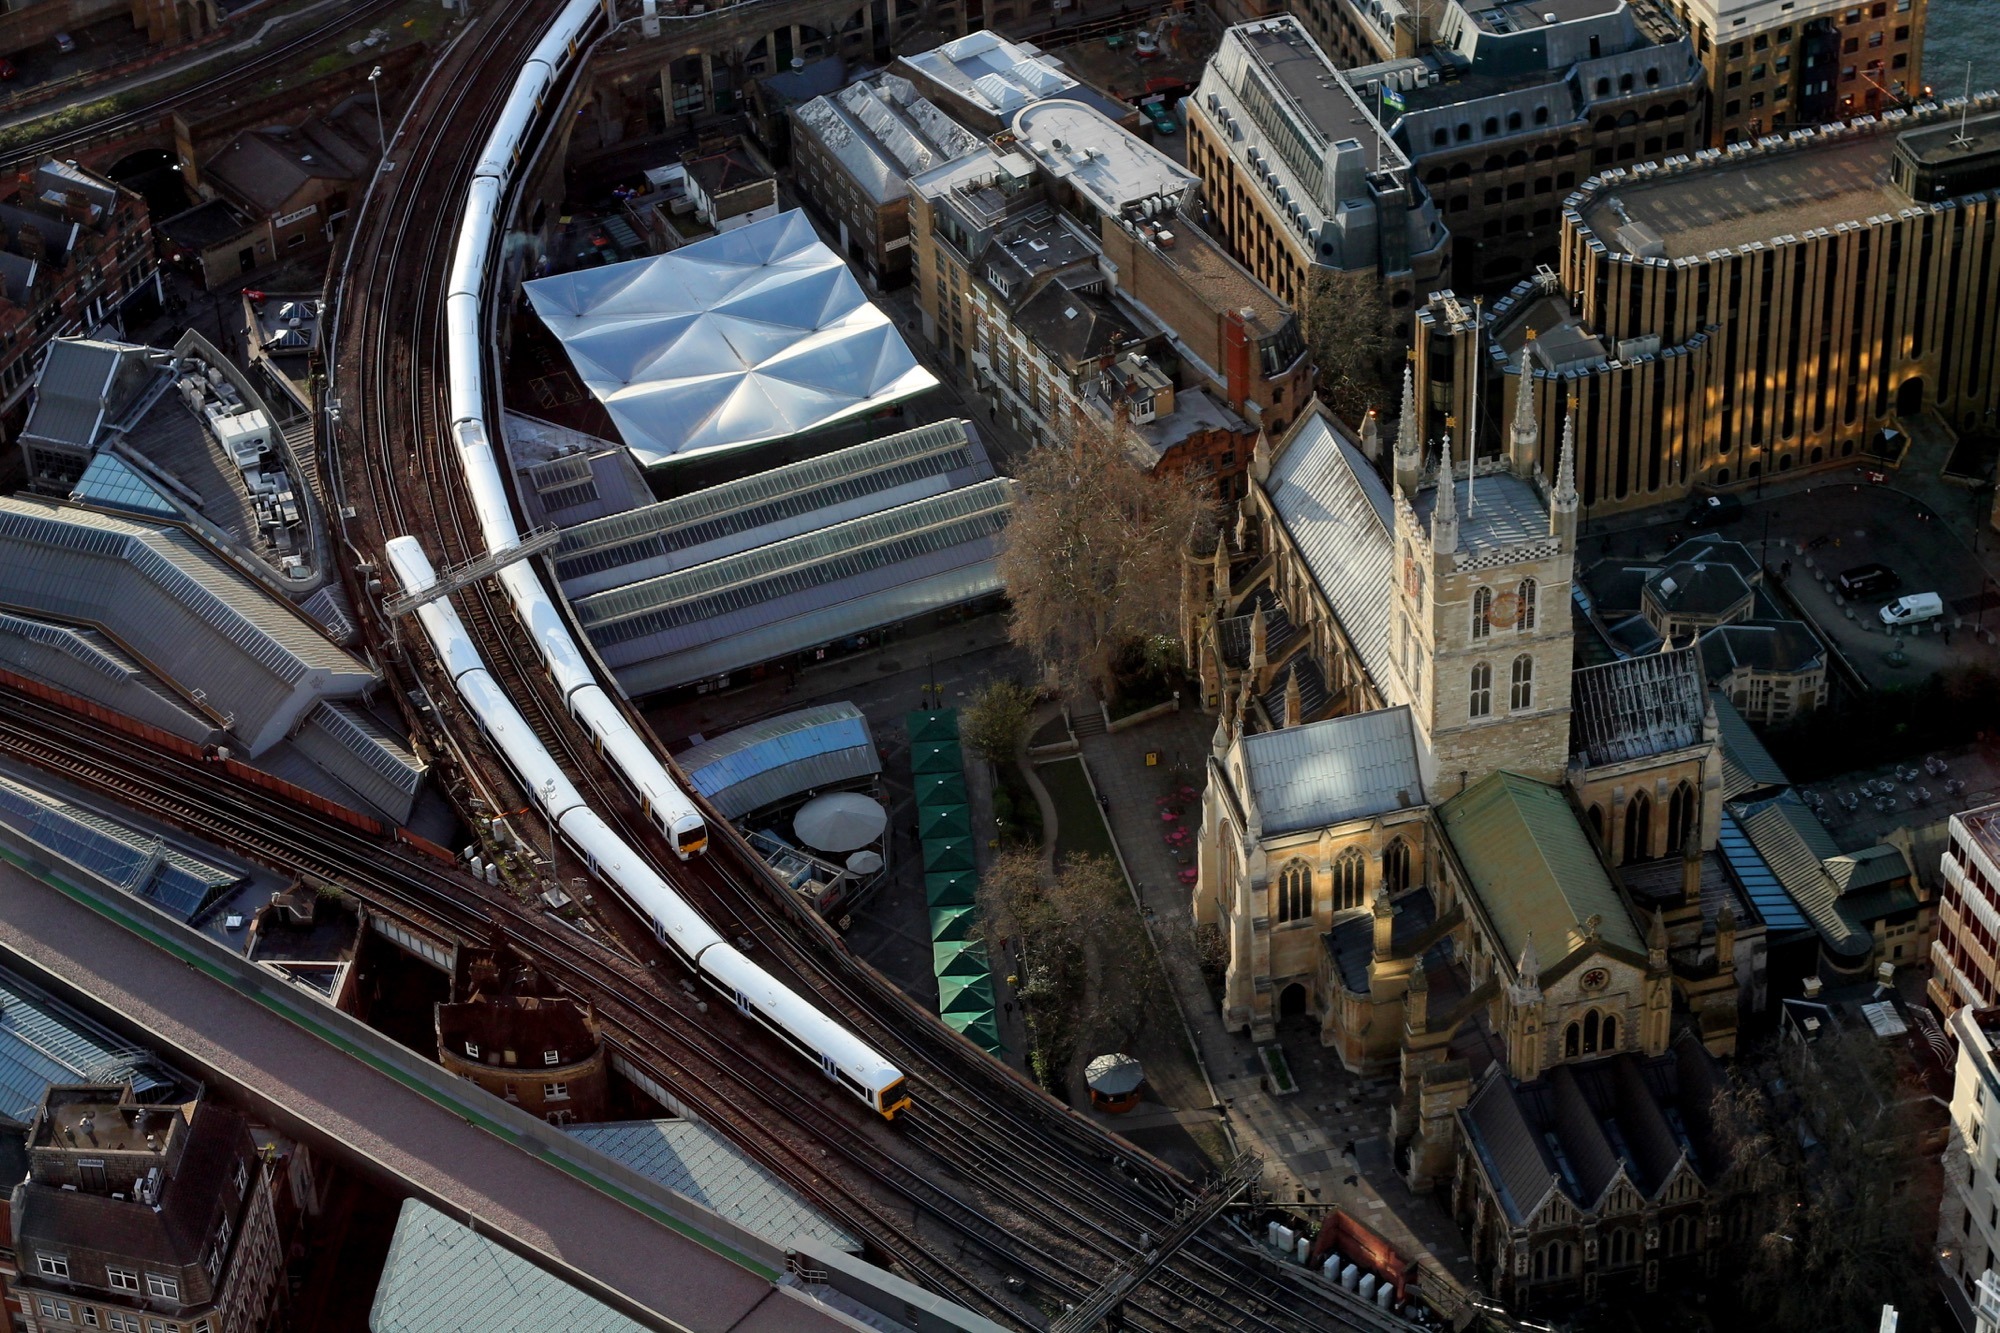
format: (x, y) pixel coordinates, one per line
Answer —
(839, 821)
(864, 863)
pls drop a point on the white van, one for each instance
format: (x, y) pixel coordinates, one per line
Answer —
(1913, 609)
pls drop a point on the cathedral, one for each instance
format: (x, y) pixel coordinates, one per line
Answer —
(1474, 866)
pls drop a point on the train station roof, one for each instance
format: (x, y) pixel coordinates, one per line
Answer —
(801, 593)
(755, 334)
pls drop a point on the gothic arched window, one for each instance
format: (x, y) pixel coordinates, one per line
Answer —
(1610, 1039)
(1522, 695)
(1590, 1032)
(1573, 1039)
(1639, 827)
(1680, 817)
(1524, 605)
(1348, 874)
(1295, 892)
(1480, 703)
(1482, 612)
(1396, 866)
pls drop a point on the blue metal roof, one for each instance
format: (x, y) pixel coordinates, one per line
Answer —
(767, 761)
(111, 483)
(1767, 894)
(42, 1042)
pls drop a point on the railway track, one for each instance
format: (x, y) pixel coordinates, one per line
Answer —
(280, 59)
(987, 1159)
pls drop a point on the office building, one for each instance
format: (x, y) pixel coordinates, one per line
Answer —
(1965, 957)
(1775, 65)
(1758, 310)
(1298, 173)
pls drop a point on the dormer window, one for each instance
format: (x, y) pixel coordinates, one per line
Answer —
(242, 1179)
(472, 1050)
(53, 1265)
(551, 1057)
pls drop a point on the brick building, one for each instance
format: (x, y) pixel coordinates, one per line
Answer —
(1774, 65)
(511, 1031)
(1059, 264)
(144, 1219)
(74, 248)
(294, 183)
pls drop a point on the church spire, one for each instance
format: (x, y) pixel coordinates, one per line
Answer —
(1526, 988)
(1294, 702)
(1563, 499)
(1221, 573)
(1526, 442)
(1259, 640)
(1409, 444)
(1444, 514)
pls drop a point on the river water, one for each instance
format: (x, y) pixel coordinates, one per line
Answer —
(1958, 31)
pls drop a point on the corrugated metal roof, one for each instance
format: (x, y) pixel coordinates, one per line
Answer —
(1867, 868)
(1638, 706)
(191, 616)
(1746, 765)
(771, 506)
(1533, 867)
(1340, 769)
(1339, 515)
(1796, 846)
(765, 762)
(43, 1042)
(442, 1277)
(696, 1161)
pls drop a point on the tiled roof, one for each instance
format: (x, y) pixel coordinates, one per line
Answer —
(1326, 772)
(1337, 511)
(1533, 867)
(1746, 765)
(1517, 1161)
(442, 1277)
(1636, 707)
(695, 1161)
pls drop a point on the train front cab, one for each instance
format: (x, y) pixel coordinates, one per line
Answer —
(893, 1098)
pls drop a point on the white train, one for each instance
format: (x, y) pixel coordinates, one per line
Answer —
(844, 1057)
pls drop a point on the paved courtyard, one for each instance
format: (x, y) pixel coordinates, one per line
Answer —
(1326, 1144)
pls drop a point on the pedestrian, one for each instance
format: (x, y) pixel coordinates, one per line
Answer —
(1347, 1149)
(1009, 1007)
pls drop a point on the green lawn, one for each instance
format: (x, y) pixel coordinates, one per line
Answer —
(1079, 825)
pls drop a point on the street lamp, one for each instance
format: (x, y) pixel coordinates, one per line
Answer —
(375, 82)
(549, 813)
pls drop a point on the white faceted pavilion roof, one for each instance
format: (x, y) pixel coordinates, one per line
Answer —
(755, 334)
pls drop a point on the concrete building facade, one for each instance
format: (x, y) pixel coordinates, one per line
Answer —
(1299, 175)
(1965, 956)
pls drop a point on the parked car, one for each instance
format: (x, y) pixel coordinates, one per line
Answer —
(1712, 511)
(1868, 581)
(1155, 110)
(1913, 609)
(65, 43)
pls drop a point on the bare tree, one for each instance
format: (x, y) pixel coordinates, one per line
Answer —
(1830, 1159)
(1084, 975)
(1357, 340)
(1091, 558)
